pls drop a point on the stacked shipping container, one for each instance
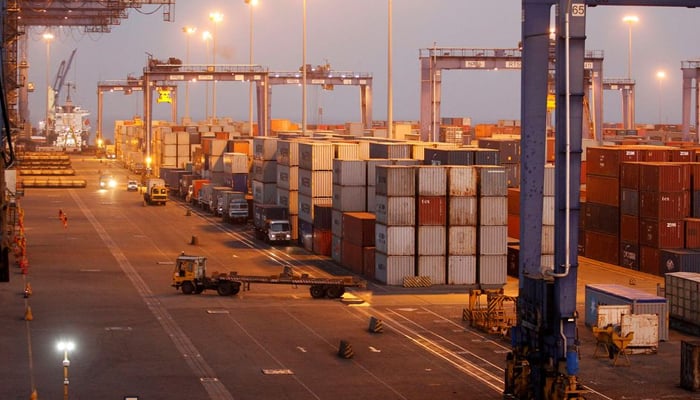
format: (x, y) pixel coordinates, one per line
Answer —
(492, 239)
(431, 231)
(461, 225)
(288, 181)
(315, 184)
(264, 170)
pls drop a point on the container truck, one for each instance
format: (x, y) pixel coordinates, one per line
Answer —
(226, 200)
(272, 223)
(156, 192)
(195, 189)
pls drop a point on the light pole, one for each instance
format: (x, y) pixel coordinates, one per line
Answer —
(303, 72)
(629, 20)
(206, 36)
(250, 3)
(189, 30)
(390, 86)
(65, 347)
(661, 75)
(215, 17)
(48, 37)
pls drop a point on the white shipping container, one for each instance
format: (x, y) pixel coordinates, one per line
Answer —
(645, 328)
(315, 183)
(350, 198)
(391, 270)
(287, 177)
(611, 314)
(363, 150)
(461, 270)
(461, 240)
(493, 240)
(316, 156)
(337, 223)
(183, 137)
(264, 193)
(347, 151)
(216, 163)
(349, 172)
(395, 240)
(395, 210)
(183, 150)
(306, 206)
(167, 137)
(265, 171)
(547, 239)
(170, 162)
(289, 199)
(492, 180)
(396, 180)
(219, 146)
(432, 180)
(288, 153)
(432, 240)
(462, 180)
(372, 169)
(336, 249)
(493, 270)
(548, 189)
(169, 150)
(371, 199)
(236, 163)
(265, 148)
(493, 210)
(434, 267)
(548, 210)
(462, 211)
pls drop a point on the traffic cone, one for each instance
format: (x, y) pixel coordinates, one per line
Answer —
(345, 350)
(34, 395)
(28, 315)
(27, 290)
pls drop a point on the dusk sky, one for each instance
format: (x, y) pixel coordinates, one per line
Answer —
(352, 36)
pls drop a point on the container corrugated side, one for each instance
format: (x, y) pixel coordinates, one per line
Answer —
(352, 257)
(316, 156)
(547, 210)
(461, 240)
(288, 153)
(392, 270)
(492, 271)
(294, 226)
(461, 270)
(395, 240)
(316, 183)
(493, 240)
(432, 210)
(462, 181)
(690, 365)
(549, 182)
(306, 206)
(287, 177)
(432, 180)
(492, 181)
(645, 328)
(265, 148)
(265, 171)
(337, 223)
(547, 239)
(493, 210)
(432, 240)
(433, 267)
(462, 211)
(395, 210)
(347, 150)
(683, 295)
(289, 199)
(359, 228)
(336, 249)
(350, 198)
(679, 260)
(349, 172)
(389, 150)
(396, 180)
(264, 193)
(664, 177)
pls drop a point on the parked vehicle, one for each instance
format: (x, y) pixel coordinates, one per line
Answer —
(272, 223)
(156, 192)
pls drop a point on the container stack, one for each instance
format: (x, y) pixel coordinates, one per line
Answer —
(683, 295)
(322, 230)
(508, 155)
(237, 170)
(349, 195)
(461, 225)
(288, 181)
(492, 226)
(358, 250)
(173, 146)
(629, 215)
(315, 183)
(264, 170)
(213, 150)
(664, 202)
(395, 228)
(431, 232)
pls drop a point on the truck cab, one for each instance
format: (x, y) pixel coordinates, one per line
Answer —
(238, 210)
(277, 230)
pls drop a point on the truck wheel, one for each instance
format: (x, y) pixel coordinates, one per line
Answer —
(317, 291)
(187, 287)
(236, 288)
(224, 289)
(334, 292)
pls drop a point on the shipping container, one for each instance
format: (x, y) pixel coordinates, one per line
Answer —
(508, 149)
(629, 228)
(433, 267)
(389, 150)
(288, 153)
(287, 177)
(549, 180)
(306, 235)
(352, 257)
(349, 172)
(629, 175)
(603, 190)
(602, 246)
(493, 240)
(264, 148)
(682, 290)
(368, 262)
(322, 242)
(264, 193)
(337, 223)
(461, 270)
(432, 210)
(306, 206)
(395, 210)
(690, 365)
(679, 260)
(640, 302)
(666, 234)
(461, 240)
(322, 216)
(432, 180)
(462, 181)
(315, 183)
(448, 157)
(664, 177)
(392, 270)
(602, 218)
(649, 259)
(236, 163)
(395, 180)
(350, 198)
(645, 328)
(265, 171)
(316, 156)
(629, 201)
(432, 240)
(664, 205)
(346, 151)
(395, 240)
(606, 161)
(493, 210)
(692, 233)
(547, 242)
(336, 249)
(630, 255)
(492, 271)
(462, 211)
(358, 228)
(492, 181)
(486, 157)
(512, 175)
(548, 210)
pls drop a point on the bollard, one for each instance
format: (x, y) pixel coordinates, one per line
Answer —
(345, 350)
(188, 213)
(375, 325)
(194, 240)
(28, 314)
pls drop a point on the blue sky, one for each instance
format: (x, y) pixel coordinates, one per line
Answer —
(352, 36)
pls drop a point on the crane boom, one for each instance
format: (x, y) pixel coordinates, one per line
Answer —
(61, 77)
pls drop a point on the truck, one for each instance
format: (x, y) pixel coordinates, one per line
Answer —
(194, 190)
(156, 192)
(238, 210)
(271, 223)
(230, 198)
(190, 276)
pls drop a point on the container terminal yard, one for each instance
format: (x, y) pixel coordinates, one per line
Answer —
(549, 257)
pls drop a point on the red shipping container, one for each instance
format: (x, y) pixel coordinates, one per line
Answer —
(603, 190)
(603, 161)
(368, 262)
(629, 228)
(664, 234)
(358, 228)
(352, 257)
(602, 247)
(584, 171)
(514, 226)
(322, 242)
(649, 260)
(664, 177)
(629, 175)
(514, 201)
(692, 233)
(695, 174)
(682, 155)
(432, 210)
(657, 205)
(630, 153)
(657, 154)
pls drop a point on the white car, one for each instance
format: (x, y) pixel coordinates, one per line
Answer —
(107, 182)
(132, 185)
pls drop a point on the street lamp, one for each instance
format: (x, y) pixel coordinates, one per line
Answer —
(65, 347)
(189, 30)
(629, 20)
(303, 73)
(48, 37)
(206, 36)
(251, 3)
(661, 75)
(215, 17)
(390, 86)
